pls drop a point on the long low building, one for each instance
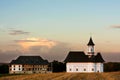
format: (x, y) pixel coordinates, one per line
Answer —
(28, 64)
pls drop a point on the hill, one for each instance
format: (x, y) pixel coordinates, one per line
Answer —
(66, 76)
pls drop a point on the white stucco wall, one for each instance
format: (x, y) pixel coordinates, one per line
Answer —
(84, 67)
(16, 67)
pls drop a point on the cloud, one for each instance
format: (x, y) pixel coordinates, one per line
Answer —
(8, 55)
(48, 49)
(30, 42)
(111, 57)
(57, 52)
(115, 26)
(18, 32)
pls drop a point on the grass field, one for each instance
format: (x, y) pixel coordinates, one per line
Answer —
(66, 76)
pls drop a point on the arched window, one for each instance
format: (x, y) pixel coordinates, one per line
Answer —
(76, 69)
(92, 69)
(84, 69)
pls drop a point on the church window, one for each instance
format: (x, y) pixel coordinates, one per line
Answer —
(77, 69)
(92, 69)
(84, 69)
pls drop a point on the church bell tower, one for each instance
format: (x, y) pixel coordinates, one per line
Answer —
(90, 47)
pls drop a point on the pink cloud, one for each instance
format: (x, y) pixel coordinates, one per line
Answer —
(30, 42)
(116, 26)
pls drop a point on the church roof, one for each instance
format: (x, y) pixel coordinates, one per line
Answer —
(79, 56)
(90, 42)
(31, 60)
(99, 58)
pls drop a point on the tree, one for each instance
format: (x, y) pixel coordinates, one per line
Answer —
(4, 69)
(57, 66)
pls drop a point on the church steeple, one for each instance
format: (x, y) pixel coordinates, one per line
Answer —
(90, 47)
(90, 42)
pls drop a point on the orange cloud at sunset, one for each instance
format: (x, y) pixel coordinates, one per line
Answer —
(30, 42)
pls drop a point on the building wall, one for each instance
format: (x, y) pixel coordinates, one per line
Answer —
(16, 67)
(84, 67)
(27, 68)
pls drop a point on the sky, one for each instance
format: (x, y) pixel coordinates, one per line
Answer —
(52, 28)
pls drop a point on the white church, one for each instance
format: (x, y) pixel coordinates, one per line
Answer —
(78, 61)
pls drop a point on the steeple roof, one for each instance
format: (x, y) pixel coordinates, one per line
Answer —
(90, 42)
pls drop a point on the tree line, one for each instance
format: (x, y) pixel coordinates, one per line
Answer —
(112, 66)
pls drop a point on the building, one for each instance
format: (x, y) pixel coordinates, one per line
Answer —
(28, 64)
(78, 61)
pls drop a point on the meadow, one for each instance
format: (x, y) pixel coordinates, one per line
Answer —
(65, 76)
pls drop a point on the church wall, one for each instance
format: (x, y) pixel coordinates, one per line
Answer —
(99, 67)
(84, 67)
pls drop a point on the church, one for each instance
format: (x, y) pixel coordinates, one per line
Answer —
(78, 61)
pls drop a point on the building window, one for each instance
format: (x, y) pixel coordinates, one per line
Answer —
(76, 69)
(84, 69)
(13, 65)
(70, 69)
(92, 69)
(19, 68)
(14, 68)
(29, 69)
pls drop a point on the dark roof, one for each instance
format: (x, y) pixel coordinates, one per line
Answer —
(79, 56)
(76, 56)
(31, 60)
(99, 58)
(90, 42)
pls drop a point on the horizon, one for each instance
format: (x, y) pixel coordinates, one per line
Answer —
(52, 28)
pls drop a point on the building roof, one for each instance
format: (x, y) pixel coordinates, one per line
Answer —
(31, 60)
(90, 42)
(79, 56)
